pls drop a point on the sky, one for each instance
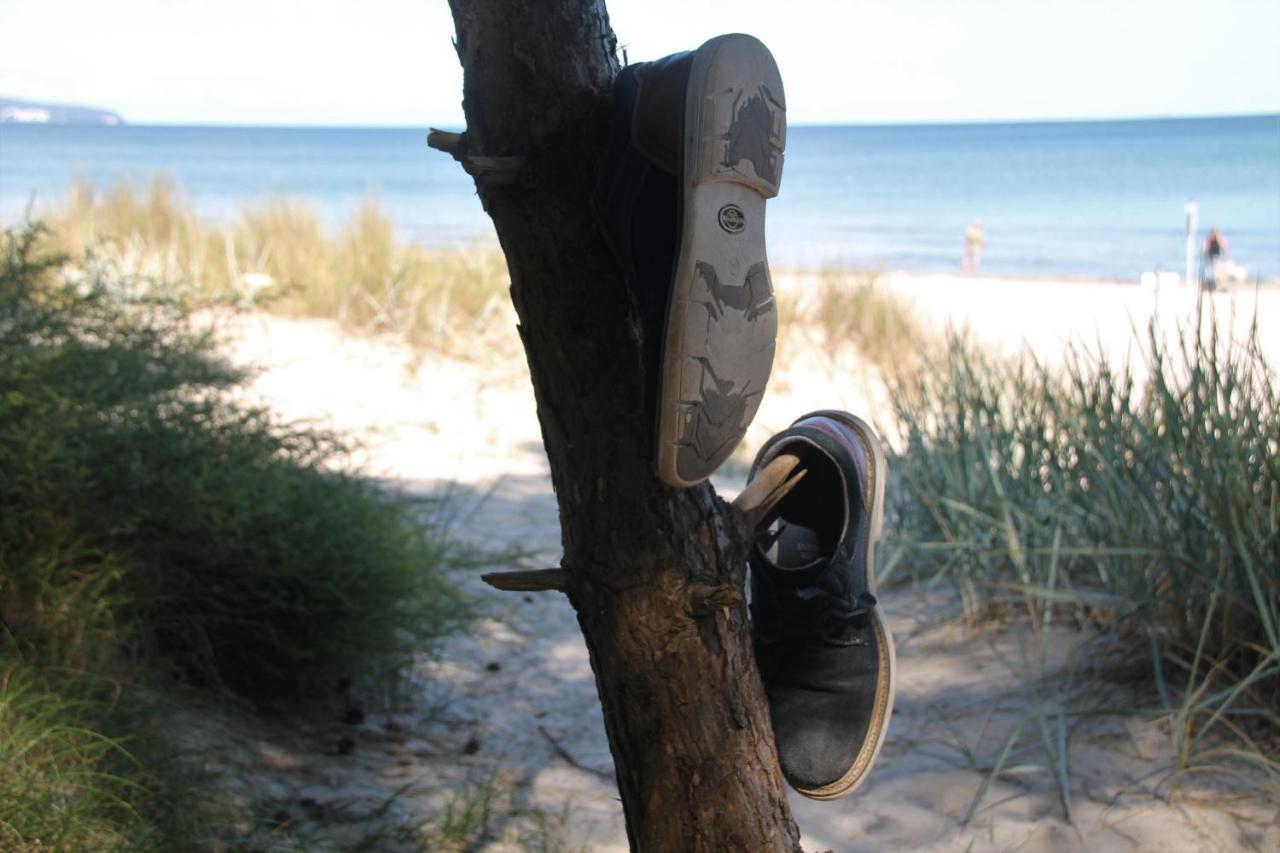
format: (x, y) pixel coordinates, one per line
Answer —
(391, 62)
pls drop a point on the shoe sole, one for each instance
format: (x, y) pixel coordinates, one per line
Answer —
(722, 320)
(886, 682)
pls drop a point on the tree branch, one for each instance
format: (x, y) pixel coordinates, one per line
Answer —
(537, 580)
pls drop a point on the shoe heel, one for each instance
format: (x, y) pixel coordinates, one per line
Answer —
(737, 118)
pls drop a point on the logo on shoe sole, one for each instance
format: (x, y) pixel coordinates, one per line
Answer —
(732, 218)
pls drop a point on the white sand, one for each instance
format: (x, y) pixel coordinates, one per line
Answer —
(1046, 315)
(472, 429)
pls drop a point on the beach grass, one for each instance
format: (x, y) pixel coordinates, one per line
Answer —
(279, 257)
(154, 532)
(54, 791)
(856, 307)
(849, 310)
(84, 765)
(1141, 501)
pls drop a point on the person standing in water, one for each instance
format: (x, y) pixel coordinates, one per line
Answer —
(1215, 248)
(973, 243)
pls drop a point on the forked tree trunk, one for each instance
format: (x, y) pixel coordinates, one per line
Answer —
(654, 573)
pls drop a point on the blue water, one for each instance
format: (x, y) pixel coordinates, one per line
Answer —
(1102, 198)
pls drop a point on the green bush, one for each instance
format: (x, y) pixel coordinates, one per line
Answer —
(1143, 501)
(153, 533)
(144, 515)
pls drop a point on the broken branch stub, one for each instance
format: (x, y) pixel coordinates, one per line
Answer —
(538, 580)
(761, 496)
(487, 170)
(444, 140)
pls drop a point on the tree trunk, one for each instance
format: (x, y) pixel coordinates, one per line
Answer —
(655, 574)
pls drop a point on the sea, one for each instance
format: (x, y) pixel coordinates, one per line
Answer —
(1101, 199)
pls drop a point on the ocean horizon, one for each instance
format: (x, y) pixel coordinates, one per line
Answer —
(1101, 198)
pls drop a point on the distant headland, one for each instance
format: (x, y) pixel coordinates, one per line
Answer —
(14, 111)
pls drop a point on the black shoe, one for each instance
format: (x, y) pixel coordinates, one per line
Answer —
(695, 149)
(824, 652)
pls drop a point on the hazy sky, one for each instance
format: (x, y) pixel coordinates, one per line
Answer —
(390, 62)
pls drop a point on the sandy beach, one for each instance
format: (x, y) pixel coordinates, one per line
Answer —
(507, 710)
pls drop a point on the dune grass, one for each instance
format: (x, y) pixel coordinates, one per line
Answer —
(152, 533)
(849, 310)
(279, 257)
(83, 766)
(54, 792)
(1142, 500)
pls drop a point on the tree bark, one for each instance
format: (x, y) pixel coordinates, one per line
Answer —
(655, 574)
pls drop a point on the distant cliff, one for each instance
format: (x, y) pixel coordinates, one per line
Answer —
(13, 111)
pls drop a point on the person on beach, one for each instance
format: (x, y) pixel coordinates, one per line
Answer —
(973, 243)
(1215, 248)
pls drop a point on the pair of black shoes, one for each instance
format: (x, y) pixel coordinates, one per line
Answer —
(696, 149)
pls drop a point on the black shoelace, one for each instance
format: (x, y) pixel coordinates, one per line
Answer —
(840, 617)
